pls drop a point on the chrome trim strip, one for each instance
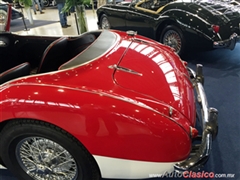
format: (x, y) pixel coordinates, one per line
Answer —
(209, 125)
(228, 43)
(116, 67)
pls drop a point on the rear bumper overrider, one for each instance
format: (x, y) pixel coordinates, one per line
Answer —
(228, 43)
(201, 152)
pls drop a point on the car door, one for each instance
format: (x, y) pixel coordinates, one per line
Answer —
(141, 20)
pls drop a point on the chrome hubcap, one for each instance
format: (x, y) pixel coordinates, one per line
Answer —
(172, 39)
(3, 17)
(43, 159)
(105, 23)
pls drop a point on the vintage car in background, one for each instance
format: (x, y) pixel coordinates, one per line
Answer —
(20, 4)
(117, 1)
(105, 104)
(5, 14)
(179, 24)
(15, 14)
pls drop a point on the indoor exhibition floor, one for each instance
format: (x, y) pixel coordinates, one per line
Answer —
(48, 23)
(222, 86)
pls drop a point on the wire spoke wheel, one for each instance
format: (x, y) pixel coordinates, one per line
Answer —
(36, 150)
(172, 36)
(173, 39)
(105, 24)
(42, 158)
(3, 19)
(46, 3)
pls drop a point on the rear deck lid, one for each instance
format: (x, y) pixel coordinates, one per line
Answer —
(158, 73)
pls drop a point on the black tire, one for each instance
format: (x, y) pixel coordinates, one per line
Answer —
(104, 22)
(21, 4)
(45, 149)
(173, 36)
(46, 3)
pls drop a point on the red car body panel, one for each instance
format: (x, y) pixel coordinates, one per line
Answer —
(113, 113)
(167, 79)
(9, 19)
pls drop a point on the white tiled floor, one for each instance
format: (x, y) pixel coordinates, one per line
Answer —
(51, 14)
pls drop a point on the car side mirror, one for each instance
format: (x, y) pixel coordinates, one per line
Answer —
(5, 17)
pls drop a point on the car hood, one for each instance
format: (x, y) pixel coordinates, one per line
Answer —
(159, 73)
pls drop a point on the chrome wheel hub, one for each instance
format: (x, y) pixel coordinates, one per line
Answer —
(172, 39)
(3, 17)
(43, 159)
(105, 23)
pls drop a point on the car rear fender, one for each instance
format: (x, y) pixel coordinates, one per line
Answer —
(96, 118)
(190, 23)
(162, 24)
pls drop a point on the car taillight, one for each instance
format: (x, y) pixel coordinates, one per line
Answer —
(193, 132)
(216, 28)
(185, 63)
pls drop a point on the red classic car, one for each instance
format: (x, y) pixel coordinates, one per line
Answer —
(105, 104)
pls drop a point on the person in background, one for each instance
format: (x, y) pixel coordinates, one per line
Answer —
(62, 15)
(42, 4)
(34, 2)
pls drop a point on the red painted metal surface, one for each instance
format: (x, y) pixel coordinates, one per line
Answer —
(111, 112)
(9, 18)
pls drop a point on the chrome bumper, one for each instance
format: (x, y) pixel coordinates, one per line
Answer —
(229, 43)
(200, 153)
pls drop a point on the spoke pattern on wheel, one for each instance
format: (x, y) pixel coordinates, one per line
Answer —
(172, 39)
(43, 159)
(105, 23)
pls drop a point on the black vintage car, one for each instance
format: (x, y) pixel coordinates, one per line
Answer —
(15, 14)
(179, 24)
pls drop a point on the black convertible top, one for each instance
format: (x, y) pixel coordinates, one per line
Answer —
(101, 45)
